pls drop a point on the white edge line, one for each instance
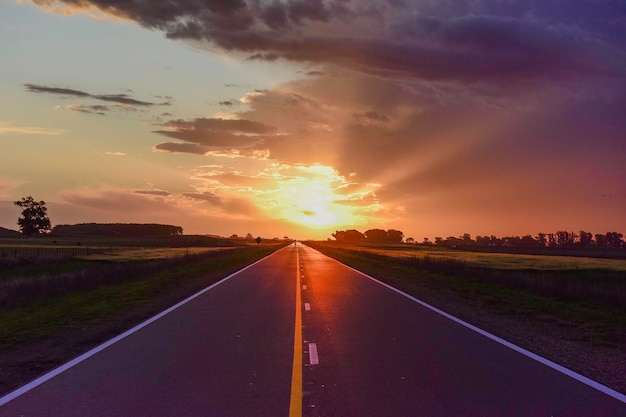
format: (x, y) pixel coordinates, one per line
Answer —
(581, 378)
(46, 377)
(313, 358)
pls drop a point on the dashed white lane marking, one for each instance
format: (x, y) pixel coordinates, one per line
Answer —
(313, 358)
(307, 307)
(304, 287)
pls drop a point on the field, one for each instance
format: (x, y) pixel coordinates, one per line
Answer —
(55, 307)
(590, 280)
(499, 260)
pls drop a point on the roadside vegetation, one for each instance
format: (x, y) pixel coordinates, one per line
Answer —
(36, 291)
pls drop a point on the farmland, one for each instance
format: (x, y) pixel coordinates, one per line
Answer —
(498, 260)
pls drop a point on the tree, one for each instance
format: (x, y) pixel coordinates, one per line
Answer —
(348, 236)
(586, 239)
(394, 236)
(613, 240)
(34, 218)
(376, 235)
(542, 240)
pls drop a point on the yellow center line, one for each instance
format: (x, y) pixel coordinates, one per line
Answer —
(295, 405)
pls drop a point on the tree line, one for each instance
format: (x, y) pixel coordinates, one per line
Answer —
(560, 239)
(117, 229)
(372, 236)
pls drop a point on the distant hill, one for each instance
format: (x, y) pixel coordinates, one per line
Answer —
(9, 233)
(116, 230)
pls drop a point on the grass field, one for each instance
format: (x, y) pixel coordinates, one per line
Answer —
(43, 296)
(144, 254)
(495, 260)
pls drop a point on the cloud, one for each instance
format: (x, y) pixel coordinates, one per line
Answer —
(159, 193)
(123, 99)
(206, 196)
(7, 185)
(6, 128)
(230, 103)
(204, 135)
(99, 109)
(426, 110)
(110, 199)
(432, 41)
(182, 148)
(235, 180)
(370, 117)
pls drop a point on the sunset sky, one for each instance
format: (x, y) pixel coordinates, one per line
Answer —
(301, 117)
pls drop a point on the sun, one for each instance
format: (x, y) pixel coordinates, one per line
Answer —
(310, 196)
(313, 203)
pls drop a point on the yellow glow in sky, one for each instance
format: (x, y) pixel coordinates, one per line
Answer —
(308, 197)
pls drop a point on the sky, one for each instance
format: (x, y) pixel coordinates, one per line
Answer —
(301, 117)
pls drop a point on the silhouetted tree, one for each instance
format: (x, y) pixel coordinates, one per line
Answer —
(34, 218)
(585, 239)
(614, 240)
(542, 240)
(117, 229)
(348, 236)
(600, 240)
(451, 242)
(394, 236)
(376, 235)
(410, 240)
(528, 241)
(467, 239)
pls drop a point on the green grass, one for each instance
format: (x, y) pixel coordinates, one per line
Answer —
(493, 260)
(144, 254)
(155, 290)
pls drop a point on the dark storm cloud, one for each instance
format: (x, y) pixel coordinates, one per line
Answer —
(124, 99)
(463, 41)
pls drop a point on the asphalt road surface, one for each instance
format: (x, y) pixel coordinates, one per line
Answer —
(298, 334)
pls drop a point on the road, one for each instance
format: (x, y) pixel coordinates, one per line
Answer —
(298, 334)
